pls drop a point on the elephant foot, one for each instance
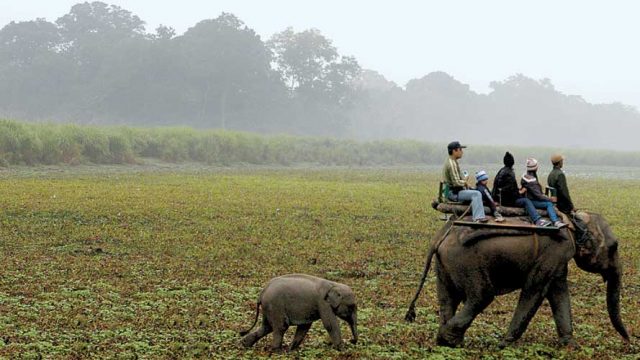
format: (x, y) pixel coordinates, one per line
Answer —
(338, 347)
(247, 341)
(278, 350)
(505, 343)
(449, 340)
(569, 343)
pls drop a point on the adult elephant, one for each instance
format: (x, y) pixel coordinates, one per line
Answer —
(475, 265)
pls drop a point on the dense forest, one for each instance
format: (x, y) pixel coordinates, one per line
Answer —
(98, 64)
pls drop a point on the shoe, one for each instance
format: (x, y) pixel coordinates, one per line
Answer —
(559, 224)
(498, 217)
(481, 220)
(543, 223)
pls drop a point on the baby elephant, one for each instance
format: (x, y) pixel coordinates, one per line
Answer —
(299, 299)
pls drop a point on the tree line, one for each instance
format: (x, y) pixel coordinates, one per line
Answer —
(97, 64)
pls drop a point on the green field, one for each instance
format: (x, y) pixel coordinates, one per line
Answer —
(168, 263)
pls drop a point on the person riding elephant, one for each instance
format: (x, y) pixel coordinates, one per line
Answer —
(505, 190)
(534, 193)
(558, 181)
(457, 185)
(505, 186)
(473, 266)
(482, 180)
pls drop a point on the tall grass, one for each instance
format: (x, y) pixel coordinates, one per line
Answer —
(24, 143)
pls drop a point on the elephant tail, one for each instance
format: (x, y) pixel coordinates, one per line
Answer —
(243, 333)
(410, 316)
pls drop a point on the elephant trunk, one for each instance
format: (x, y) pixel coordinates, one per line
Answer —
(353, 323)
(613, 278)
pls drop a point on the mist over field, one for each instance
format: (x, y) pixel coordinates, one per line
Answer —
(100, 64)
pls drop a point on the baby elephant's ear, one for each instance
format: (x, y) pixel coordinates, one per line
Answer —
(333, 297)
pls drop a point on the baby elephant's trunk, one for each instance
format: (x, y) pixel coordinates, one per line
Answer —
(243, 333)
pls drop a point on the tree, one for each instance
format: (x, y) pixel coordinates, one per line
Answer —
(22, 43)
(32, 71)
(97, 20)
(320, 81)
(164, 32)
(90, 33)
(436, 106)
(377, 107)
(225, 64)
(302, 58)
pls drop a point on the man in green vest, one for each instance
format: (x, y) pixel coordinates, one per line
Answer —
(558, 180)
(457, 184)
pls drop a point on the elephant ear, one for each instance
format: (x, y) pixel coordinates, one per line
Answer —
(333, 297)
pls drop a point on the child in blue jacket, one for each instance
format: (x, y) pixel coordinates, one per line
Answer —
(482, 179)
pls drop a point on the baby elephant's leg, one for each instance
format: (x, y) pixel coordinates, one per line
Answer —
(278, 334)
(330, 322)
(301, 332)
(252, 337)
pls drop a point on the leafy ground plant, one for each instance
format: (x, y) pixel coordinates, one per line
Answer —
(168, 263)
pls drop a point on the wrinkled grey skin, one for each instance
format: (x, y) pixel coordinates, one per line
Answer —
(476, 274)
(299, 299)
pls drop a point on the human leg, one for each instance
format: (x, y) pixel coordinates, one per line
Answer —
(494, 211)
(546, 205)
(477, 208)
(531, 210)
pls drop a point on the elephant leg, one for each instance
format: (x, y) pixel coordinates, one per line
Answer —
(301, 332)
(452, 333)
(448, 301)
(558, 297)
(278, 335)
(277, 319)
(251, 338)
(330, 322)
(530, 300)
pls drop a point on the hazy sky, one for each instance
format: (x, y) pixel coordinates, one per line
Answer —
(588, 48)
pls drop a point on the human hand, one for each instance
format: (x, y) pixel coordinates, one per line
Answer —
(554, 199)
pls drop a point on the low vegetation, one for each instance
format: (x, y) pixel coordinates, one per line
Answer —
(168, 264)
(23, 143)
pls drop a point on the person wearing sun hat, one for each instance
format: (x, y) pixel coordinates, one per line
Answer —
(534, 192)
(558, 181)
(481, 185)
(458, 190)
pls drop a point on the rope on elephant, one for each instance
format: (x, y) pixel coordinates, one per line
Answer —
(475, 235)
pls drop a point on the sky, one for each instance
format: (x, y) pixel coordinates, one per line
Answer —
(586, 48)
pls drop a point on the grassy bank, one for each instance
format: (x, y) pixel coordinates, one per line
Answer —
(169, 265)
(30, 144)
